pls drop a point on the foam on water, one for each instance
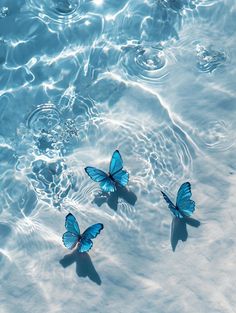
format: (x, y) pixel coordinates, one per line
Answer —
(154, 79)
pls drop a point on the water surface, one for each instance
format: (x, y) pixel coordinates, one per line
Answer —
(154, 79)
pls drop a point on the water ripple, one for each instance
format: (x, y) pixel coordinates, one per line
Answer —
(216, 135)
(147, 22)
(19, 198)
(145, 63)
(62, 11)
(209, 59)
(57, 130)
(44, 118)
(4, 12)
(51, 180)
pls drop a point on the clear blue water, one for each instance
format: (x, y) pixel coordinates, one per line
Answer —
(155, 79)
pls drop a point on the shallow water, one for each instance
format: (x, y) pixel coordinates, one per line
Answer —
(154, 79)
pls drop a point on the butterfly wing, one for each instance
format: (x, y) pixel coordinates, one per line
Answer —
(70, 239)
(119, 175)
(71, 224)
(116, 163)
(183, 202)
(90, 233)
(96, 174)
(85, 245)
(171, 206)
(108, 185)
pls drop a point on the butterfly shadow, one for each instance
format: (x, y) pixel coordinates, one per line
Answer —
(179, 229)
(112, 199)
(84, 265)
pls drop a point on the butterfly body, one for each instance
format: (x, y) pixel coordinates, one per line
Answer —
(110, 176)
(184, 206)
(116, 174)
(72, 237)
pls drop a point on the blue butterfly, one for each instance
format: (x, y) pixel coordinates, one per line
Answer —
(115, 176)
(184, 206)
(73, 237)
